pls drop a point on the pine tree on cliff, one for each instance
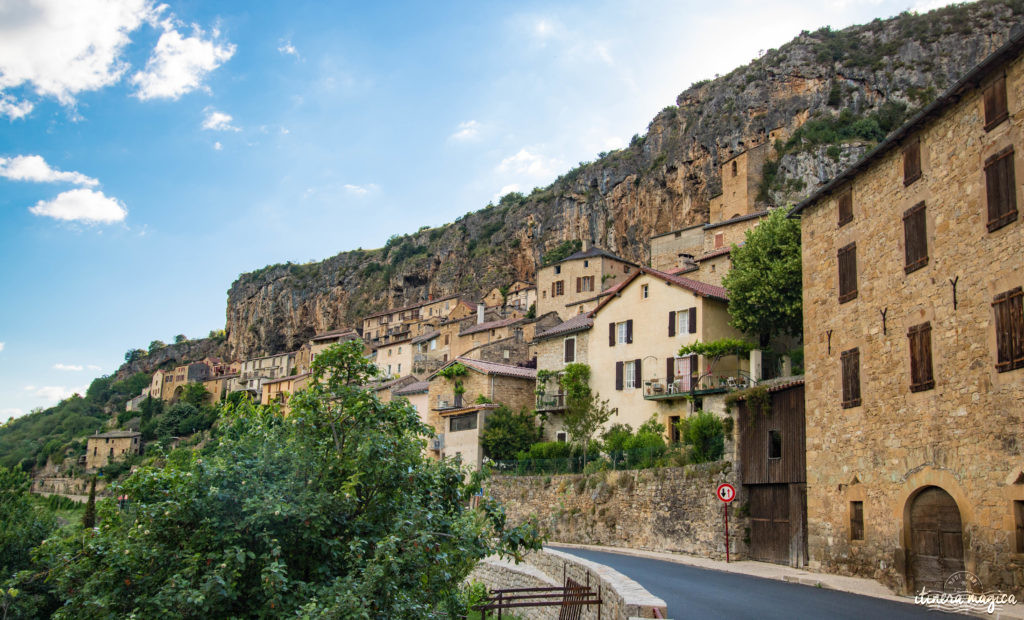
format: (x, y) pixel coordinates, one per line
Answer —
(89, 518)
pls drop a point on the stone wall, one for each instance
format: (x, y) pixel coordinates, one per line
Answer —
(670, 509)
(962, 435)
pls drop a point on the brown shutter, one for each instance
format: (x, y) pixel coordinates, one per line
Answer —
(912, 161)
(915, 236)
(995, 103)
(1009, 320)
(629, 331)
(579, 284)
(670, 369)
(1001, 188)
(920, 340)
(850, 364)
(611, 334)
(570, 350)
(693, 320)
(618, 376)
(637, 375)
(847, 259)
(694, 365)
(552, 289)
(846, 207)
(671, 324)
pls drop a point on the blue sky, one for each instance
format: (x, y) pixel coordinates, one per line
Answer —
(151, 153)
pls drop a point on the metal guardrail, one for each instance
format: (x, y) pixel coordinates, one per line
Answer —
(571, 597)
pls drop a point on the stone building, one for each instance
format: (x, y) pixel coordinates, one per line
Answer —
(168, 385)
(913, 335)
(281, 390)
(267, 368)
(563, 344)
(394, 359)
(459, 418)
(417, 395)
(403, 323)
(578, 282)
(104, 448)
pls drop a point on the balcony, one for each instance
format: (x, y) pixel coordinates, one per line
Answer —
(449, 402)
(656, 389)
(551, 402)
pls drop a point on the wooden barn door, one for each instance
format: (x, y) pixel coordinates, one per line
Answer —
(769, 522)
(936, 538)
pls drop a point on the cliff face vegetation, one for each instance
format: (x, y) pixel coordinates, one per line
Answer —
(832, 94)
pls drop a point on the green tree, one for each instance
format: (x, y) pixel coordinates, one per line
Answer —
(89, 518)
(333, 511)
(507, 433)
(133, 355)
(180, 338)
(156, 345)
(765, 282)
(24, 524)
(585, 413)
(195, 394)
(704, 433)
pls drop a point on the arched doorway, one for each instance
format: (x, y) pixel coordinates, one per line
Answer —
(936, 539)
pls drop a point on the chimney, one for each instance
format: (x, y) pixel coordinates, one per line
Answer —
(586, 245)
(479, 312)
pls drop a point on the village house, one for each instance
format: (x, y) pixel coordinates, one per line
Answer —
(394, 359)
(516, 301)
(400, 324)
(105, 448)
(558, 346)
(416, 393)
(459, 405)
(577, 283)
(914, 345)
(168, 385)
(281, 390)
(134, 404)
(267, 368)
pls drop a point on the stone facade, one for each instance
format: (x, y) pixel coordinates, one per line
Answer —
(597, 271)
(105, 448)
(670, 509)
(963, 434)
(395, 359)
(673, 249)
(741, 176)
(280, 390)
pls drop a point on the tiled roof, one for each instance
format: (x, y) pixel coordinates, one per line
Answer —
(413, 388)
(718, 252)
(409, 307)
(678, 230)
(701, 288)
(345, 331)
(577, 323)
(971, 80)
(591, 252)
(426, 337)
(479, 327)
(779, 384)
(681, 270)
(490, 368)
(399, 382)
(288, 378)
(741, 218)
(115, 434)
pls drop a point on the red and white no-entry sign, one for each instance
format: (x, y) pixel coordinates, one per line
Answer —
(726, 492)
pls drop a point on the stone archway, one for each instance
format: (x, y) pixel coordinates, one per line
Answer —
(935, 529)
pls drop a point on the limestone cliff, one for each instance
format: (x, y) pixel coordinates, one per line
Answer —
(853, 85)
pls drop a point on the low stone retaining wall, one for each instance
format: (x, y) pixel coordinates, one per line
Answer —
(670, 509)
(622, 597)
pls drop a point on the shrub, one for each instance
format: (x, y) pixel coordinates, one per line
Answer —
(704, 433)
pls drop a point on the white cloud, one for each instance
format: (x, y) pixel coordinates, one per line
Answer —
(1, 346)
(71, 367)
(94, 367)
(530, 164)
(286, 47)
(14, 109)
(35, 168)
(60, 49)
(359, 190)
(217, 146)
(513, 187)
(469, 130)
(179, 64)
(52, 394)
(13, 412)
(84, 205)
(218, 121)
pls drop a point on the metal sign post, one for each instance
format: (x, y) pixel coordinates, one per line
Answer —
(726, 492)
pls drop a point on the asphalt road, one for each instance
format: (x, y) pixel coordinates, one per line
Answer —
(692, 592)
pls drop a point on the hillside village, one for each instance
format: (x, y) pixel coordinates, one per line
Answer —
(886, 443)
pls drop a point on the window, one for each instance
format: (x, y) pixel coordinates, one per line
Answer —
(856, 520)
(846, 207)
(682, 322)
(433, 344)
(399, 371)
(625, 269)
(851, 378)
(627, 375)
(734, 171)
(585, 284)
(1009, 311)
(912, 161)
(673, 429)
(921, 378)
(399, 350)
(586, 264)
(915, 237)
(570, 350)
(464, 422)
(775, 444)
(1001, 189)
(621, 333)
(847, 256)
(719, 240)
(389, 369)
(558, 269)
(558, 288)
(994, 96)
(561, 437)
(644, 292)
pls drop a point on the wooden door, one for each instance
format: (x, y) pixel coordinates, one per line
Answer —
(936, 539)
(769, 522)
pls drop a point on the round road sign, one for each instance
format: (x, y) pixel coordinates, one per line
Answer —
(726, 492)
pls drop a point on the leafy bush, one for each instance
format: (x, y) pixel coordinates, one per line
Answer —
(507, 433)
(561, 251)
(704, 433)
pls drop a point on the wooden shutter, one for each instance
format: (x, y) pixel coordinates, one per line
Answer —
(671, 324)
(611, 334)
(618, 376)
(693, 320)
(1009, 315)
(694, 365)
(670, 370)
(846, 207)
(915, 236)
(637, 375)
(629, 331)
(1001, 188)
(579, 284)
(847, 258)
(552, 289)
(920, 337)
(857, 520)
(851, 377)
(912, 161)
(995, 103)
(570, 350)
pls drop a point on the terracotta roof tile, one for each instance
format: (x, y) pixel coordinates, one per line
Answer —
(413, 388)
(479, 327)
(580, 322)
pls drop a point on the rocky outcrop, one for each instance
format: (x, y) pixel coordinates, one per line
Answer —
(174, 355)
(660, 182)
